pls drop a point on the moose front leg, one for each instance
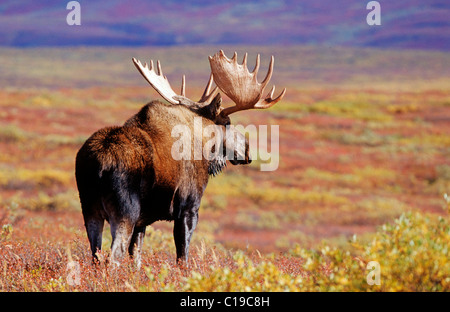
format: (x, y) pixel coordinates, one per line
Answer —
(182, 232)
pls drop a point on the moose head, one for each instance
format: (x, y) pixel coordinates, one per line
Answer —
(232, 79)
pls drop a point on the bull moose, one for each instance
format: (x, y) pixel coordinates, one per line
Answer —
(127, 175)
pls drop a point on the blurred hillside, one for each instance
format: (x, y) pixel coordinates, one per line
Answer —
(303, 67)
(405, 24)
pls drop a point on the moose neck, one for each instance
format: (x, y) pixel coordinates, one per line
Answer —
(216, 165)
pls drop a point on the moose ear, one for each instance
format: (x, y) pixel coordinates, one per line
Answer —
(215, 105)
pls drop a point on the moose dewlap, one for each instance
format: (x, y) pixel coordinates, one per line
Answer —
(128, 176)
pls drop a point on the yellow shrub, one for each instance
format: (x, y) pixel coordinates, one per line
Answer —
(264, 276)
(412, 254)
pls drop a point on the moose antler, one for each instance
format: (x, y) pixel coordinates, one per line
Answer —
(161, 84)
(240, 85)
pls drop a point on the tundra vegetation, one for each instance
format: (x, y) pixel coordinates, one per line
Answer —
(363, 174)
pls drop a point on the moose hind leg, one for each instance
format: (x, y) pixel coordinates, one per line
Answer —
(93, 222)
(122, 205)
(94, 229)
(121, 232)
(182, 232)
(135, 247)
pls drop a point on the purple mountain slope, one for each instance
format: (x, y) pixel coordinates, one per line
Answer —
(404, 24)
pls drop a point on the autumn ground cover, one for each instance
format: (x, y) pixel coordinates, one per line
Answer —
(364, 146)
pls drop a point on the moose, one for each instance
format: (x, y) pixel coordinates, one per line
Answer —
(127, 175)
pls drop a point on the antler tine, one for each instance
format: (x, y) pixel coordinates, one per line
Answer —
(158, 65)
(244, 61)
(269, 101)
(269, 73)
(208, 86)
(256, 69)
(207, 94)
(234, 58)
(183, 86)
